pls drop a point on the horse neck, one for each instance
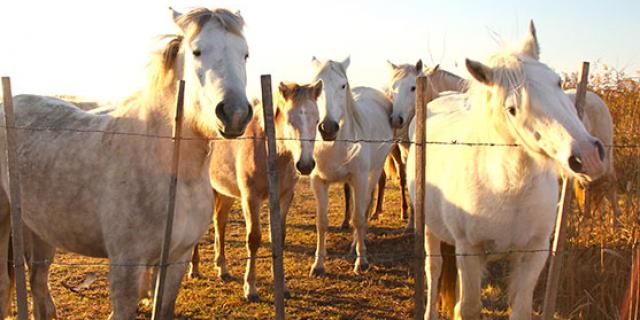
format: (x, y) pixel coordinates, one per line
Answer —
(351, 123)
(256, 128)
(507, 166)
(156, 118)
(451, 82)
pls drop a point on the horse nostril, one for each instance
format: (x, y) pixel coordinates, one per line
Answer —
(575, 163)
(313, 165)
(220, 111)
(600, 149)
(321, 127)
(400, 120)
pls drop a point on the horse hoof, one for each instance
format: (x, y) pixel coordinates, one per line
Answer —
(344, 226)
(374, 216)
(361, 268)
(287, 294)
(253, 297)
(226, 277)
(195, 275)
(317, 272)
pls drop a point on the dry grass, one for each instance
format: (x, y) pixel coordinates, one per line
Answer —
(592, 283)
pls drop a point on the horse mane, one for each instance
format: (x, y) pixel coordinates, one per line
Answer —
(462, 82)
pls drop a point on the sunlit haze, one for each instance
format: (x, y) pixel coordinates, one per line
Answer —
(98, 49)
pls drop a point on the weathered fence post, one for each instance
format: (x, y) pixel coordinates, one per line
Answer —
(555, 257)
(421, 124)
(14, 194)
(166, 240)
(275, 226)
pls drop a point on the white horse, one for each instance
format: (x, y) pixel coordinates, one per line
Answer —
(105, 195)
(401, 92)
(345, 118)
(495, 199)
(238, 171)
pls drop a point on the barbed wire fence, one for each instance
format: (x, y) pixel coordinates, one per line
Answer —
(277, 255)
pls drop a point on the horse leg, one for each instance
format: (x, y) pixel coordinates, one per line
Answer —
(433, 268)
(251, 210)
(5, 258)
(285, 201)
(320, 191)
(525, 270)
(40, 255)
(362, 186)
(125, 283)
(470, 269)
(194, 271)
(403, 187)
(175, 273)
(382, 182)
(222, 207)
(347, 207)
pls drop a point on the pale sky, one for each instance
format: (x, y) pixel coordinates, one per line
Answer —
(98, 49)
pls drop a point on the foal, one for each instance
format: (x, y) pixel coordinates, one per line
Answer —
(238, 171)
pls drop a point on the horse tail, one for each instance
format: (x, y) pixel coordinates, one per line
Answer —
(392, 162)
(448, 278)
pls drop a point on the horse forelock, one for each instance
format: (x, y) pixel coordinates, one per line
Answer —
(198, 17)
(508, 77)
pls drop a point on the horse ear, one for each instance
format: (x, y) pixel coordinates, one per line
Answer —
(391, 65)
(530, 45)
(175, 15)
(419, 66)
(436, 68)
(479, 71)
(284, 90)
(315, 62)
(317, 89)
(346, 62)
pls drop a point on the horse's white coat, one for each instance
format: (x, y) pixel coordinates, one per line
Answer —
(363, 114)
(499, 198)
(105, 195)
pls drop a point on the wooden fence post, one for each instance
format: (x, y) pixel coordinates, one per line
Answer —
(275, 226)
(421, 127)
(166, 240)
(555, 257)
(16, 206)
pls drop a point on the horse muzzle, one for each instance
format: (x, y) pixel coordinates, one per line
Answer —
(397, 122)
(588, 160)
(305, 167)
(233, 118)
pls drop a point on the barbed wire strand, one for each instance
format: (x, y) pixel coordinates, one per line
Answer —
(391, 141)
(347, 256)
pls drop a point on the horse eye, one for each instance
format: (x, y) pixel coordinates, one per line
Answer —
(246, 56)
(344, 86)
(413, 88)
(196, 53)
(512, 111)
(560, 83)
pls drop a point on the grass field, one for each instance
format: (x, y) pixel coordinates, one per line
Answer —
(593, 282)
